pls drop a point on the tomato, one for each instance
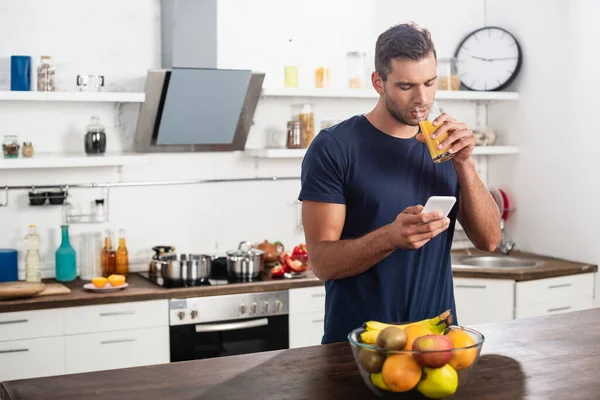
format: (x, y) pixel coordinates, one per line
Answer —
(277, 271)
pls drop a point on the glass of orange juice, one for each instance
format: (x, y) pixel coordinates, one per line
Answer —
(427, 114)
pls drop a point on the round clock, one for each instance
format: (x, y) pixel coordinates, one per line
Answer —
(488, 59)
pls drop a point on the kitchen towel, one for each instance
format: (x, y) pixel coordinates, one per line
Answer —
(9, 265)
(20, 73)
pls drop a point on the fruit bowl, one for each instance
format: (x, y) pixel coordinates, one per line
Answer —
(429, 365)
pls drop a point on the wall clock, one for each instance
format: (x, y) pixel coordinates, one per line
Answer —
(489, 58)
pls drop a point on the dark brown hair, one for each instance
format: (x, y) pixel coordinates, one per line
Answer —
(406, 41)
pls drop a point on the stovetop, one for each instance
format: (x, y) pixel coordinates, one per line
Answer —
(211, 281)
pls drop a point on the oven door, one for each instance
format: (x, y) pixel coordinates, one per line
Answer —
(227, 338)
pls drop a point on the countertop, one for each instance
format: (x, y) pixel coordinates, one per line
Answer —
(552, 357)
(141, 289)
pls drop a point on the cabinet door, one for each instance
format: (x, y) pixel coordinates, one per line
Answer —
(306, 329)
(31, 324)
(118, 349)
(545, 291)
(32, 358)
(483, 300)
(305, 300)
(555, 307)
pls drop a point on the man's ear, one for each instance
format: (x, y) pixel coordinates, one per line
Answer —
(377, 82)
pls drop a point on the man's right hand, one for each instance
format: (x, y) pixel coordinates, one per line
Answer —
(412, 230)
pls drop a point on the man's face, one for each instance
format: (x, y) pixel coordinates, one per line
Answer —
(409, 84)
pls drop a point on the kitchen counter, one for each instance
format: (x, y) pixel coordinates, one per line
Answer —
(141, 289)
(534, 358)
(551, 267)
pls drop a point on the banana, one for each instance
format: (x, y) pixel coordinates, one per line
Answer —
(369, 337)
(436, 324)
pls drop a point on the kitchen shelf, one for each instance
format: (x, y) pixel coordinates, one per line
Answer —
(106, 97)
(299, 153)
(371, 94)
(76, 160)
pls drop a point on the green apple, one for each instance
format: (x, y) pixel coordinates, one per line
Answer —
(377, 380)
(438, 382)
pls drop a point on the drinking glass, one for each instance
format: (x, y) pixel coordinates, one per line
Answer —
(426, 115)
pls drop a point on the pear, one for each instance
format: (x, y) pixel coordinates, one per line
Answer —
(438, 383)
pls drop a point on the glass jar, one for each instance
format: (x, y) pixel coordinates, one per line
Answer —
(10, 146)
(448, 78)
(305, 114)
(294, 135)
(45, 75)
(322, 77)
(95, 137)
(27, 150)
(355, 69)
(290, 68)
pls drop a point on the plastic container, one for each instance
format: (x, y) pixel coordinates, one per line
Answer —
(66, 259)
(9, 265)
(33, 259)
(355, 69)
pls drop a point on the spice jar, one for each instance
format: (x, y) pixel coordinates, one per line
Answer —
(10, 146)
(304, 113)
(448, 78)
(45, 75)
(355, 69)
(27, 149)
(95, 138)
(294, 135)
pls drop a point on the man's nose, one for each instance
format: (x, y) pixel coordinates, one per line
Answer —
(420, 95)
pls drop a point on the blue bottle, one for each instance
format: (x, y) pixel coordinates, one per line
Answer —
(66, 261)
(20, 73)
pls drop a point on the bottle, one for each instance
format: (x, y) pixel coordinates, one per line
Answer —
(66, 259)
(290, 70)
(122, 255)
(33, 260)
(109, 257)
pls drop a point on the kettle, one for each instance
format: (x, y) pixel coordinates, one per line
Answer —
(271, 250)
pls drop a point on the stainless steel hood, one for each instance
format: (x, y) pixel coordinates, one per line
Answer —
(196, 110)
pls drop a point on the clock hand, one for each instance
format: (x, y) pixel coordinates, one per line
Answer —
(481, 58)
(503, 58)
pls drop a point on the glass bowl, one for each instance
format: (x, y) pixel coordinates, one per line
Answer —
(407, 374)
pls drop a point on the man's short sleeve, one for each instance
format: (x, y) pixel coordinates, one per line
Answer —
(322, 176)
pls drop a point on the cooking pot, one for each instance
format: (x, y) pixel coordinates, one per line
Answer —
(156, 264)
(189, 268)
(245, 262)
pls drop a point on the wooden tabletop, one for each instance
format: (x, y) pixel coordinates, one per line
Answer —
(553, 357)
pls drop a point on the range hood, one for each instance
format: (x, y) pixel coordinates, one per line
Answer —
(197, 109)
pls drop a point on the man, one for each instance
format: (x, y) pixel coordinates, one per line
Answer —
(364, 182)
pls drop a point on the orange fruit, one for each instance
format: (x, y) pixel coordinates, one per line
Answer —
(116, 280)
(413, 332)
(99, 282)
(401, 372)
(461, 359)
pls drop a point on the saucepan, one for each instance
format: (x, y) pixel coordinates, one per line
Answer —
(189, 268)
(245, 262)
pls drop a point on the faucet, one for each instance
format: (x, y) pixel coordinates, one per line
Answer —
(505, 246)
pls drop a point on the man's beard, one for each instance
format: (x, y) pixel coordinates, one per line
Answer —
(394, 110)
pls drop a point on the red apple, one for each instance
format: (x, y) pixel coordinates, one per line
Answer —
(434, 350)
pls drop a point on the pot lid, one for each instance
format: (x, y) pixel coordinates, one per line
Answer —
(95, 125)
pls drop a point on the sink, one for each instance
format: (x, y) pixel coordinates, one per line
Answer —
(499, 262)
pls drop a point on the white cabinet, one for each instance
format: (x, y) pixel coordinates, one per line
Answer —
(307, 309)
(483, 300)
(31, 324)
(118, 349)
(31, 358)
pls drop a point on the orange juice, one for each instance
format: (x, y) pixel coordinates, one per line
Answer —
(437, 155)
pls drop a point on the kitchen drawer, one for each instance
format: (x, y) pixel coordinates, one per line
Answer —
(305, 300)
(115, 317)
(22, 359)
(483, 300)
(555, 307)
(542, 291)
(31, 324)
(121, 349)
(306, 329)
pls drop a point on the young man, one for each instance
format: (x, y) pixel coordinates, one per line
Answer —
(364, 182)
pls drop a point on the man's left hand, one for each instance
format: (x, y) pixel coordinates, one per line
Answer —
(460, 140)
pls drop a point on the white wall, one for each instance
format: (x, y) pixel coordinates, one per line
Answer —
(121, 40)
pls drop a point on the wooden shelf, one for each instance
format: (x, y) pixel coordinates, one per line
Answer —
(299, 153)
(107, 97)
(464, 95)
(72, 161)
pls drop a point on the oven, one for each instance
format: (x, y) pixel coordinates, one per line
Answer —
(217, 326)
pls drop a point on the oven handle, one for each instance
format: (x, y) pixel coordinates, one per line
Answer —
(232, 326)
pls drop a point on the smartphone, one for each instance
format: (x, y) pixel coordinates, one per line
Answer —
(442, 204)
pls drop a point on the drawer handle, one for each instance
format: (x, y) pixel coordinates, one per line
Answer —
(16, 321)
(316, 321)
(111, 314)
(559, 286)
(559, 309)
(117, 341)
(232, 326)
(471, 286)
(318, 295)
(13, 351)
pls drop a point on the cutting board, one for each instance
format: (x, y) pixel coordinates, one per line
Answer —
(23, 290)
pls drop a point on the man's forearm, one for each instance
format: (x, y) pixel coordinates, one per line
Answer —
(343, 258)
(478, 212)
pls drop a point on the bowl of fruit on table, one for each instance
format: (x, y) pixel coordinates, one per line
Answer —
(428, 359)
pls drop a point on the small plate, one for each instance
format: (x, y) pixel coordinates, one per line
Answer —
(108, 288)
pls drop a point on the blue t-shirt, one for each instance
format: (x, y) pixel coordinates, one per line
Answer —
(377, 176)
